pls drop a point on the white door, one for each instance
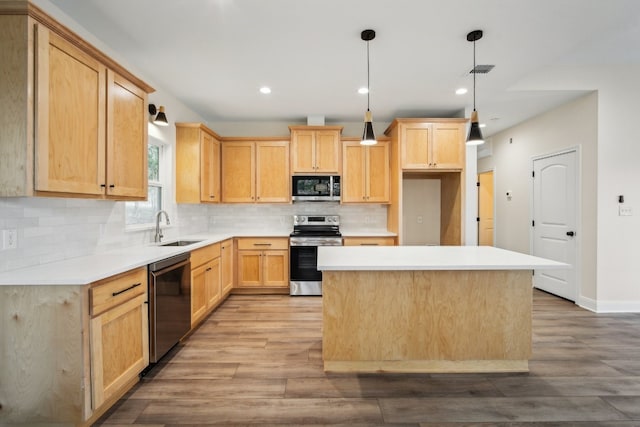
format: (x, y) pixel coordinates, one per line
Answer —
(555, 183)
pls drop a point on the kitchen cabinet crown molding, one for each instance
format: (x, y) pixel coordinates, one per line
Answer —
(301, 127)
(397, 121)
(200, 126)
(25, 7)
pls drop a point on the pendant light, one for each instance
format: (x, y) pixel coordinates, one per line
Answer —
(368, 137)
(475, 135)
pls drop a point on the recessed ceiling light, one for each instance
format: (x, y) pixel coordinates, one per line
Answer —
(363, 91)
(265, 90)
(461, 91)
(483, 125)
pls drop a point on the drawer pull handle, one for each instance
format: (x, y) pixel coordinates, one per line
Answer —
(368, 244)
(262, 244)
(127, 289)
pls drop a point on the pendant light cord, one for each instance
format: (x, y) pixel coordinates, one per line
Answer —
(368, 75)
(474, 75)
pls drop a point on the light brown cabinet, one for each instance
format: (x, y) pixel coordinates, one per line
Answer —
(430, 145)
(206, 292)
(262, 262)
(119, 333)
(366, 172)
(369, 241)
(315, 149)
(226, 266)
(87, 135)
(197, 164)
(255, 171)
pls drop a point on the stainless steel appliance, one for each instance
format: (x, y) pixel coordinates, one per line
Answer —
(317, 188)
(309, 232)
(169, 303)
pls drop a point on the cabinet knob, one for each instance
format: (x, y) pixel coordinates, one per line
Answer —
(112, 186)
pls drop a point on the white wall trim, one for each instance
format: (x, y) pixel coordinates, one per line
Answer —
(587, 303)
(618, 306)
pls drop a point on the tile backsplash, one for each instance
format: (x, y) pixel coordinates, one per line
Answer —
(53, 229)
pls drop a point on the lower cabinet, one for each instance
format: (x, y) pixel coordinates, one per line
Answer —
(263, 262)
(119, 331)
(206, 292)
(369, 241)
(226, 266)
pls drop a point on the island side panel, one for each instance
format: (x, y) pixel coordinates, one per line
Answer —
(427, 321)
(43, 371)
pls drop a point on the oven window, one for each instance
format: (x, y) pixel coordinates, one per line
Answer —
(303, 264)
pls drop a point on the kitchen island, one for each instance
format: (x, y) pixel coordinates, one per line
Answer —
(431, 309)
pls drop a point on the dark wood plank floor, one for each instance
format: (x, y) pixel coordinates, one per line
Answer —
(257, 360)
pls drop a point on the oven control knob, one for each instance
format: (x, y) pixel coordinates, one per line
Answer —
(331, 219)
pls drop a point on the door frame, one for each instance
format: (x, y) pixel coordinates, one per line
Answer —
(495, 207)
(578, 209)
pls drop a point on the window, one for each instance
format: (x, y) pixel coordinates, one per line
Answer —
(142, 214)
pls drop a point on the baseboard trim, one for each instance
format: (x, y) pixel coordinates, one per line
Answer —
(587, 303)
(618, 307)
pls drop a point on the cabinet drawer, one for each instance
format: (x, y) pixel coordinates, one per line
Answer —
(368, 241)
(265, 243)
(113, 291)
(202, 255)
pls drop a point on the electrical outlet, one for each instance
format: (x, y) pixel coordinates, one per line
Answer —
(625, 210)
(10, 239)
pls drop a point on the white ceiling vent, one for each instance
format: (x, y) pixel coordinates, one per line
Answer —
(315, 120)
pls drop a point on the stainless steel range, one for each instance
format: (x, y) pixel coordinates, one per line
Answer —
(309, 232)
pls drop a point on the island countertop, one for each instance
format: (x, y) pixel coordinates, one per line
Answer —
(392, 258)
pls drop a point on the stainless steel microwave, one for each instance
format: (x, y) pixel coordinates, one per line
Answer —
(310, 188)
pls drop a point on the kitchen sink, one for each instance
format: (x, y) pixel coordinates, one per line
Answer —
(181, 243)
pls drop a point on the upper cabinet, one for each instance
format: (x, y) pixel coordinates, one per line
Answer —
(435, 144)
(315, 149)
(197, 164)
(366, 172)
(255, 171)
(77, 123)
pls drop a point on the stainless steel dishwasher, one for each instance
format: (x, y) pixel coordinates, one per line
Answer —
(169, 303)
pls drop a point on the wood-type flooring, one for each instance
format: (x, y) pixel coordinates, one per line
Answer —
(257, 360)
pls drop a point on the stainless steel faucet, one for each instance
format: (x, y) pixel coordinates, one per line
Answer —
(159, 235)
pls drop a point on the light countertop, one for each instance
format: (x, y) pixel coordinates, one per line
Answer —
(90, 268)
(389, 258)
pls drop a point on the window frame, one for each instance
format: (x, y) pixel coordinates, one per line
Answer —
(161, 183)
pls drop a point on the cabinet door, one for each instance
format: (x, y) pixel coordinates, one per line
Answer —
(213, 282)
(198, 293)
(126, 138)
(448, 148)
(70, 118)
(327, 151)
(273, 181)
(415, 143)
(226, 266)
(302, 151)
(276, 268)
(249, 268)
(353, 182)
(119, 348)
(377, 167)
(238, 172)
(209, 168)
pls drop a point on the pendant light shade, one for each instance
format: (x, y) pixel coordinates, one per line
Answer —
(475, 135)
(368, 137)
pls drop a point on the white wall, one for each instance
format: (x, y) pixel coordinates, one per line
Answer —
(571, 125)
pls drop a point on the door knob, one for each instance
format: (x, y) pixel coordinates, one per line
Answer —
(571, 233)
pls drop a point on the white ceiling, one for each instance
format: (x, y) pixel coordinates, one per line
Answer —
(214, 55)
